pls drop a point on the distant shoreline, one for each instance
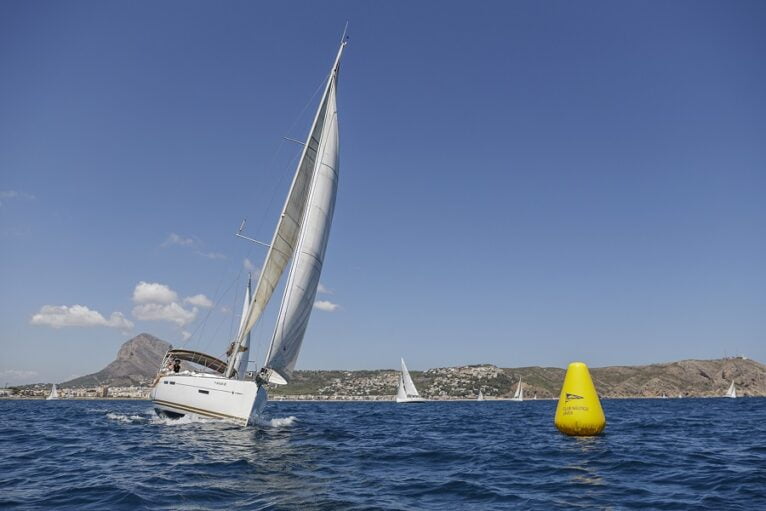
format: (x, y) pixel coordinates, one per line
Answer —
(392, 400)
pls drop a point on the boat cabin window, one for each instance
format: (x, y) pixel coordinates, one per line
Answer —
(203, 392)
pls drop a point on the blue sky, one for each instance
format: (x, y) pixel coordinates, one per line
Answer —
(522, 183)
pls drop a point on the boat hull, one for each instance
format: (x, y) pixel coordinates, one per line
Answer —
(209, 396)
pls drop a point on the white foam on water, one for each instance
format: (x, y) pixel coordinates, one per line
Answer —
(180, 421)
(278, 422)
(121, 417)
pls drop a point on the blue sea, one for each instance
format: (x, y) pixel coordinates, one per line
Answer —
(655, 454)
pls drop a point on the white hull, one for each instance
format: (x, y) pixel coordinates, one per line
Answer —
(410, 400)
(208, 395)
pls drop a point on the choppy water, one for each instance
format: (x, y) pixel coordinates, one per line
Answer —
(656, 454)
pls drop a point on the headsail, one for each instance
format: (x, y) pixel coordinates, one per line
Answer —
(409, 385)
(313, 233)
(288, 229)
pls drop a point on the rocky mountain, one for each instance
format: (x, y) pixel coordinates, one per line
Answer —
(690, 378)
(137, 362)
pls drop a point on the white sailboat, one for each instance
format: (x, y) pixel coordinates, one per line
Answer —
(480, 397)
(732, 392)
(54, 393)
(519, 394)
(407, 393)
(221, 389)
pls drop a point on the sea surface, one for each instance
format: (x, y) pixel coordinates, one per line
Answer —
(655, 454)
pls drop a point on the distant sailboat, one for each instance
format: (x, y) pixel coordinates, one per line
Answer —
(519, 394)
(223, 389)
(481, 397)
(732, 392)
(407, 393)
(54, 393)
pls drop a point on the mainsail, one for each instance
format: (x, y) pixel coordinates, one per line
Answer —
(519, 394)
(401, 394)
(409, 385)
(732, 392)
(240, 358)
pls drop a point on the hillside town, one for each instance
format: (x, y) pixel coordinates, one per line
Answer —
(689, 378)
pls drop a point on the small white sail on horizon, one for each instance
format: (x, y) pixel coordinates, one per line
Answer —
(407, 393)
(480, 396)
(732, 392)
(54, 393)
(519, 394)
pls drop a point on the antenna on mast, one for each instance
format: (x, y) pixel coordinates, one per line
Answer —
(344, 36)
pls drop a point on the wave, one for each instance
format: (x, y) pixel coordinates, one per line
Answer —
(277, 422)
(182, 421)
(128, 419)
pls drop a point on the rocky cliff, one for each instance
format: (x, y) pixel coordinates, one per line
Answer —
(137, 361)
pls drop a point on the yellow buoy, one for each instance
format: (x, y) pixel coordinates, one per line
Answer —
(579, 410)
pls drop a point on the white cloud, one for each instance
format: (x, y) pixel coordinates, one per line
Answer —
(18, 376)
(185, 336)
(153, 292)
(177, 239)
(172, 312)
(249, 266)
(17, 373)
(225, 310)
(325, 305)
(60, 316)
(199, 300)
(211, 255)
(324, 289)
(14, 194)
